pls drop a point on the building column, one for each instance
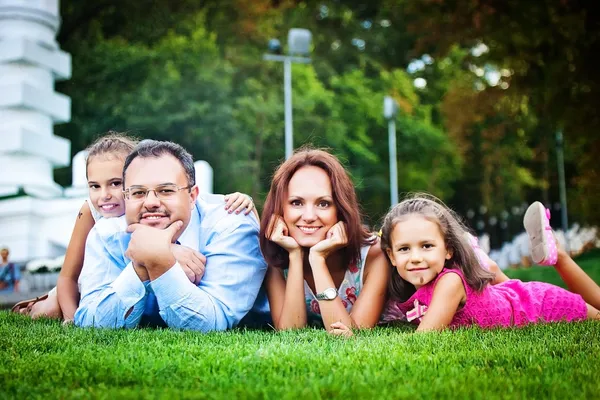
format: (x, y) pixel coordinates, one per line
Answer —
(30, 63)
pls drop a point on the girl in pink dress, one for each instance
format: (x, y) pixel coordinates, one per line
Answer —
(439, 282)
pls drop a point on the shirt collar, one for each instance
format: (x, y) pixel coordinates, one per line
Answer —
(191, 235)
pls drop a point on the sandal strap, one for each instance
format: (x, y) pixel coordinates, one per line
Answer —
(27, 304)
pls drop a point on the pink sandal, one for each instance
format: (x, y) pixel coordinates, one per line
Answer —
(541, 239)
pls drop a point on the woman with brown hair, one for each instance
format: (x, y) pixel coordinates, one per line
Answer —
(323, 264)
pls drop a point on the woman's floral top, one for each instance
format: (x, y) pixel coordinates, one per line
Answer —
(348, 290)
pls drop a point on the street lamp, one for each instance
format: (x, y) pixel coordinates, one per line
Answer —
(561, 184)
(390, 110)
(299, 41)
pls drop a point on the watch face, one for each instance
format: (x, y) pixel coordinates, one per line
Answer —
(330, 293)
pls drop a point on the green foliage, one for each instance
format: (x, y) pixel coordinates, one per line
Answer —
(193, 72)
(546, 46)
(427, 158)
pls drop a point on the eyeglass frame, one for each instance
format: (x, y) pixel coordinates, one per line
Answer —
(126, 192)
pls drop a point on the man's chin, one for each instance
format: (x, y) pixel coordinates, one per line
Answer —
(161, 223)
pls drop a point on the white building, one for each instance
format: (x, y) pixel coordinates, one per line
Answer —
(36, 214)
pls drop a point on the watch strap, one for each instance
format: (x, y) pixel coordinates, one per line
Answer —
(323, 296)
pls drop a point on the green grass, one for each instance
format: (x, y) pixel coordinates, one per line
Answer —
(43, 359)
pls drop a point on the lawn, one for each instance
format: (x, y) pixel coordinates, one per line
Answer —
(43, 359)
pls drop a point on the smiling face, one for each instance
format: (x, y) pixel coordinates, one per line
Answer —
(417, 249)
(150, 173)
(105, 185)
(308, 209)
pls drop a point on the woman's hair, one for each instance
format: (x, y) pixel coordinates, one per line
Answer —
(453, 231)
(113, 144)
(344, 197)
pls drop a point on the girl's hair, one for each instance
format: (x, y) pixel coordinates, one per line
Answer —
(344, 197)
(113, 144)
(454, 232)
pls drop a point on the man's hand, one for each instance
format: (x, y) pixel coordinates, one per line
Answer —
(191, 261)
(141, 272)
(151, 247)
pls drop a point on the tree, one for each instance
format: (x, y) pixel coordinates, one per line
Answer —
(548, 47)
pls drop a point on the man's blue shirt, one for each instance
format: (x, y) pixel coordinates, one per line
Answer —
(113, 296)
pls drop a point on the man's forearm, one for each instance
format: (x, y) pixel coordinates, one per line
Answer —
(183, 305)
(235, 271)
(119, 304)
(108, 310)
(141, 272)
(155, 269)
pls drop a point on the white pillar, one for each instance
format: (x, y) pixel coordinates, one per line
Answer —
(79, 185)
(30, 63)
(204, 176)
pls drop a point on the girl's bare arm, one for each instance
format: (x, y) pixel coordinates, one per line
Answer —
(68, 291)
(448, 295)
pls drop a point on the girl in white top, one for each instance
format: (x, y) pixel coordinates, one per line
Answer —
(315, 246)
(104, 172)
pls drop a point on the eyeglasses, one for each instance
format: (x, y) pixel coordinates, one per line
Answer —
(162, 192)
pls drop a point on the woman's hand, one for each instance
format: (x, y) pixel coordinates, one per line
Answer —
(339, 329)
(278, 233)
(335, 239)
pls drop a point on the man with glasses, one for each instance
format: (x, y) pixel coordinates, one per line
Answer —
(131, 277)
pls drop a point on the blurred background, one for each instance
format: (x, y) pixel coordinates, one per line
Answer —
(495, 98)
(483, 88)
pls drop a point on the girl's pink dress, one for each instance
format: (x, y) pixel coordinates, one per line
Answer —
(511, 303)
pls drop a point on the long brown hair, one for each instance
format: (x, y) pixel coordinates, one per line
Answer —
(344, 197)
(454, 232)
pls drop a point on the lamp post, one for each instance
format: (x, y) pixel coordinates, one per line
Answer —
(299, 41)
(561, 185)
(390, 110)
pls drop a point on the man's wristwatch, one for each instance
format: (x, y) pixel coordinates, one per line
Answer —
(327, 294)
